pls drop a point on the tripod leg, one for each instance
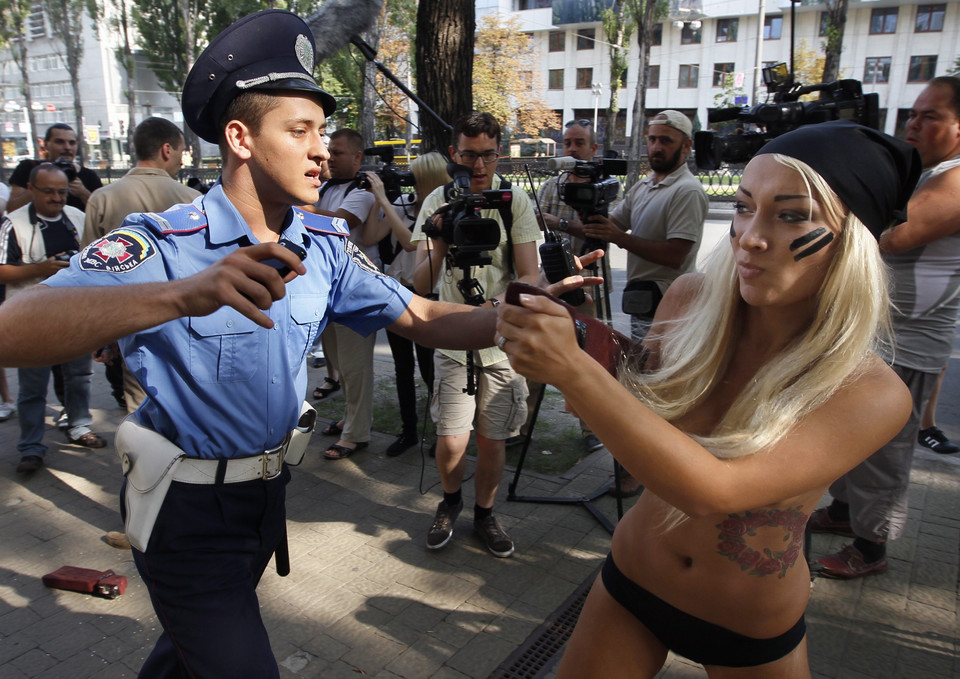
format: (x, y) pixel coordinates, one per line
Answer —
(532, 420)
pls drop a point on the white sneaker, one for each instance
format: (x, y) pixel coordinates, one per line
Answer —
(7, 410)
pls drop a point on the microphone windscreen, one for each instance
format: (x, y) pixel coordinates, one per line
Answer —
(562, 163)
(337, 21)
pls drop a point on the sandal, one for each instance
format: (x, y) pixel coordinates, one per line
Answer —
(338, 452)
(323, 390)
(332, 429)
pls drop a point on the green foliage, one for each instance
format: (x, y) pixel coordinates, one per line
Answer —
(955, 69)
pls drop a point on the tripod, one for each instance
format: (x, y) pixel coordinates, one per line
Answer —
(602, 302)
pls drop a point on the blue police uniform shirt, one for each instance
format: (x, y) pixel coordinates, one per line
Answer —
(221, 386)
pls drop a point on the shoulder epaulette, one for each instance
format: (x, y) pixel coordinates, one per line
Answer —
(331, 226)
(181, 219)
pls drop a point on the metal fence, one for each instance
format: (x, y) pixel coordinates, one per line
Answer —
(720, 185)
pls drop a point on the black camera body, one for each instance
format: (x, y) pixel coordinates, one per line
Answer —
(591, 197)
(594, 196)
(468, 234)
(392, 178)
(840, 100)
(68, 168)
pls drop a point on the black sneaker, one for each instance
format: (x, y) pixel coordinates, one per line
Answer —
(934, 439)
(592, 443)
(404, 442)
(29, 464)
(493, 536)
(442, 529)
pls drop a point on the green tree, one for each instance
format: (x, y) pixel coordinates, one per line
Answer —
(506, 80)
(955, 69)
(836, 22)
(645, 14)
(14, 14)
(65, 20)
(117, 15)
(618, 26)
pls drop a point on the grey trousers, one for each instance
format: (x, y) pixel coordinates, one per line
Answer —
(876, 489)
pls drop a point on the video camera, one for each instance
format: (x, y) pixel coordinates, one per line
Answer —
(840, 100)
(469, 235)
(592, 197)
(392, 178)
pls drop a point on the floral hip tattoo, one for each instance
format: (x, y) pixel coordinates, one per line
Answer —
(735, 528)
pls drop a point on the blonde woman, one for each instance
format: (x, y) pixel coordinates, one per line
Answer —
(735, 422)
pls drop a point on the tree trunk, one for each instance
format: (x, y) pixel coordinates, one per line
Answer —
(444, 58)
(368, 105)
(837, 12)
(645, 23)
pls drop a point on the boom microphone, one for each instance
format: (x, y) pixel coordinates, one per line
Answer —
(563, 163)
(338, 21)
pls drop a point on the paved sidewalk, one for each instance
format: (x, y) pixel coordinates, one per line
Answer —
(365, 598)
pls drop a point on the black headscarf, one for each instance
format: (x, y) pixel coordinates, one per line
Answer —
(873, 173)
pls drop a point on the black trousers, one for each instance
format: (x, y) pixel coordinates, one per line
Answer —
(403, 361)
(209, 547)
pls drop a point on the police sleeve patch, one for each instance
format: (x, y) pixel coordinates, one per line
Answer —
(120, 251)
(360, 259)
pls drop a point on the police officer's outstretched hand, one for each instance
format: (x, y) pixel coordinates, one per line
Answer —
(242, 281)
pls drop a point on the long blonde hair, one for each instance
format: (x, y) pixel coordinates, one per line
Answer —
(852, 313)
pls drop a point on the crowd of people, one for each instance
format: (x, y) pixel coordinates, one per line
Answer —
(830, 307)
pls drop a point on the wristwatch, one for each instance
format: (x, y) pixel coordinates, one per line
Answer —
(563, 225)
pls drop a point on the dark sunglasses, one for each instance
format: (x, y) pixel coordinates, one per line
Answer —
(582, 122)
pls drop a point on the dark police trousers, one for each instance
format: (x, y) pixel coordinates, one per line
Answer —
(209, 547)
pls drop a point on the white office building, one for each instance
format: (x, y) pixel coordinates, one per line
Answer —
(892, 46)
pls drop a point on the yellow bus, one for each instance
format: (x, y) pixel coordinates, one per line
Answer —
(401, 154)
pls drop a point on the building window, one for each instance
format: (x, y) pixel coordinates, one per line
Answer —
(653, 77)
(929, 18)
(689, 75)
(557, 41)
(727, 30)
(586, 38)
(657, 35)
(533, 4)
(883, 20)
(922, 69)
(772, 27)
(555, 79)
(877, 70)
(35, 25)
(623, 78)
(584, 78)
(690, 36)
(720, 73)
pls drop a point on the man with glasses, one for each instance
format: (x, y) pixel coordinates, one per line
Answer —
(499, 404)
(35, 242)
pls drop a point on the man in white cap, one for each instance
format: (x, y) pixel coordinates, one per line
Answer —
(659, 223)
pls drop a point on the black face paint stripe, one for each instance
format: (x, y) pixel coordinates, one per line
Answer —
(733, 232)
(808, 238)
(813, 249)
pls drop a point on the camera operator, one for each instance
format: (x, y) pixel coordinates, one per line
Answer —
(397, 220)
(36, 241)
(500, 400)
(60, 147)
(346, 351)
(664, 214)
(580, 142)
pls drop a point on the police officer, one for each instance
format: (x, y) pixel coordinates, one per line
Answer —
(218, 339)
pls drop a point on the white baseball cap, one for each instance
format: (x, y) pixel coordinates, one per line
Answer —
(674, 119)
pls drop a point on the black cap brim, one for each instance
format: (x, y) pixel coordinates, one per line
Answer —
(324, 98)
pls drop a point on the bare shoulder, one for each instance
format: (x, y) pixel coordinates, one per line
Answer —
(875, 397)
(679, 296)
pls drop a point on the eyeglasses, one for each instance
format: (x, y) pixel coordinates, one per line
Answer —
(582, 122)
(470, 157)
(53, 192)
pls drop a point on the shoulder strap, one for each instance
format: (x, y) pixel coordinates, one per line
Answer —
(506, 214)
